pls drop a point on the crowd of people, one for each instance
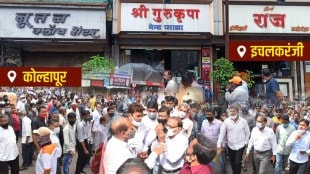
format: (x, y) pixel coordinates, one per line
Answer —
(178, 133)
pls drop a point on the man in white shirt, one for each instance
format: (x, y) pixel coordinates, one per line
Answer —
(53, 125)
(47, 157)
(117, 149)
(265, 145)
(172, 86)
(62, 116)
(27, 143)
(148, 124)
(20, 106)
(172, 160)
(69, 142)
(96, 117)
(74, 108)
(184, 114)
(171, 102)
(237, 131)
(8, 147)
(82, 142)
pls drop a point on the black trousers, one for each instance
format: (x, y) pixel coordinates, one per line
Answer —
(27, 154)
(82, 157)
(297, 168)
(235, 158)
(14, 165)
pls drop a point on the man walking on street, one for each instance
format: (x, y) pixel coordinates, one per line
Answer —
(282, 133)
(237, 131)
(300, 142)
(8, 147)
(47, 158)
(69, 142)
(264, 141)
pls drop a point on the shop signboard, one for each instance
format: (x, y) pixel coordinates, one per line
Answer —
(269, 19)
(151, 17)
(85, 83)
(63, 1)
(120, 80)
(96, 83)
(56, 23)
(150, 83)
(249, 50)
(205, 66)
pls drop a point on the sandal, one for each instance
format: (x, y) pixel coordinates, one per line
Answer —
(23, 168)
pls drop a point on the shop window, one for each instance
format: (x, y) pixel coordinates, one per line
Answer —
(175, 60)
(184, 60)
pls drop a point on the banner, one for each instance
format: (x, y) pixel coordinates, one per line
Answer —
(41, 76)
(245, 50)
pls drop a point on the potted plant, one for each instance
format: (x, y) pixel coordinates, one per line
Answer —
(222, 72)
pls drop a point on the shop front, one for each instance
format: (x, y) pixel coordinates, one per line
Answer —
(51, 35)
(164, 36)
(271, 36)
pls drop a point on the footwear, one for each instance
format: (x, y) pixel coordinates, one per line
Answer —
(83, 172)
(23, 168)
(31, 164)
(244, 167)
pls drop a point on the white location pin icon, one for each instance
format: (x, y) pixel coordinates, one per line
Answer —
(241, 50)
(11, 76)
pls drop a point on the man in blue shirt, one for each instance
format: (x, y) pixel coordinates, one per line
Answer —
(273, 94)
(299, 140)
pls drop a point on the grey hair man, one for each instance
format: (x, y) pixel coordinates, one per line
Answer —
(133, 166)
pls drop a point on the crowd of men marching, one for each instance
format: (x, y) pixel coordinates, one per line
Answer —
(174, 135)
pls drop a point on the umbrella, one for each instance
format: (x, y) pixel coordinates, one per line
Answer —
(140, 73)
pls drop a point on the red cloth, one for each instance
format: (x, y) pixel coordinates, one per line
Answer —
(199, 169)
(101, 170)
(49, 106)
(16, 122)
(95, 161)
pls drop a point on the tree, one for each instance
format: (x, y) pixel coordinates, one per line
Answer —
(222, 71)
(98, 65)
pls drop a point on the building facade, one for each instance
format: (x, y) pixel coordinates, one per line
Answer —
(52, 32)
(176, 36)
(273, 35)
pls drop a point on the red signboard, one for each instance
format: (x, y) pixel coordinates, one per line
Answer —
(245, 50)
(41, 76)
(149, 83)
(97, 83)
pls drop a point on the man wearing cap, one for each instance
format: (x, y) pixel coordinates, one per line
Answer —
(47, 158)
(273, 94)
(235, 93)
